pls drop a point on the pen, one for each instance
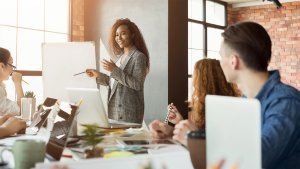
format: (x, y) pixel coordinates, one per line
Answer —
(167, 117)
(22, 79)
(78, 73)
(79, 103)
(25, 82)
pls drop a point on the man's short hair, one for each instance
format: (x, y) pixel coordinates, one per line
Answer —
(252, 42)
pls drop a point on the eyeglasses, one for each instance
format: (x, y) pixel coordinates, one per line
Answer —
(14, 67)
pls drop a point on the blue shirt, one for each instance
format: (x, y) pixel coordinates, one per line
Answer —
(280, 107)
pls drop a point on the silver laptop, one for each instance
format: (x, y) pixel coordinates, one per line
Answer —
(233, 131)
(91, 109)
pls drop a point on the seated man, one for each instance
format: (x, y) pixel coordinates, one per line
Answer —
(245, 56)
(10, 125)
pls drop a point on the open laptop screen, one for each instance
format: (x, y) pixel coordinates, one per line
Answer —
(92, 110)
(45, 110)
(233, 131)
(64, 117)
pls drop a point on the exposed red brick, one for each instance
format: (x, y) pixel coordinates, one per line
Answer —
(77, 32)
(284, 28)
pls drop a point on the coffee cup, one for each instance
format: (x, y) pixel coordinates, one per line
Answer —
(197, 148)
(27, 153)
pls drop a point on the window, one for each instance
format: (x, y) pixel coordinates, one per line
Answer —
(24, 26)
(207, 19)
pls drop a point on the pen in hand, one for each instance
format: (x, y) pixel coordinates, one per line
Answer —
(16, 71)
(167, 117)
(25, 82)
(78, 73)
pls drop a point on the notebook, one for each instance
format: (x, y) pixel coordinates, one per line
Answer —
(92, 111)
(233, 131)
(63, 118)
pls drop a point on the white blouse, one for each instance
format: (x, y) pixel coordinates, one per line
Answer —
(6, 105)
(112, 80)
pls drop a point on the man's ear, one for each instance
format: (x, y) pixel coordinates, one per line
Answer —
(2, 66)
(235, 61)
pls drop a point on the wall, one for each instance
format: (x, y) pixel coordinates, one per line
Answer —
(284, 28)
(152, 19)
(77, 20)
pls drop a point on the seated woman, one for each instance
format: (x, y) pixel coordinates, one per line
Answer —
(10, 125)
(6, 69)
(208, 78)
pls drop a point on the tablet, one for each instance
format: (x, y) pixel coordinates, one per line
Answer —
(150, 142)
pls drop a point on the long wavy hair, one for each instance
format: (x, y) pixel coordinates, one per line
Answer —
(138, 40)
(208, 78)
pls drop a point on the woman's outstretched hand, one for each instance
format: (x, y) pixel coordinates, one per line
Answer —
(92, 73)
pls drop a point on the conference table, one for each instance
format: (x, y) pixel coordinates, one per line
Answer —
(167, 156)
(7, 156)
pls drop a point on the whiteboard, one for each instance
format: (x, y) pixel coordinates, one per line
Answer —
(61, 61)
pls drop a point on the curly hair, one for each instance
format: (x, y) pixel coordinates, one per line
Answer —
(138, 40)
(208, 78)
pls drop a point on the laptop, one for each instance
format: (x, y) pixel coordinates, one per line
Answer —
(92, 111)
(42, 116)
(62, 126)
(233, 131)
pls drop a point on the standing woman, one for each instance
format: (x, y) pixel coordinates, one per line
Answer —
(6, 69)
(128, 68)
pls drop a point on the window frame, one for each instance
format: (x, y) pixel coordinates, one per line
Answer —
(207, 25)
(69, 34)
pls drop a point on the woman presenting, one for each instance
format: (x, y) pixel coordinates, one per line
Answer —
(128, 68)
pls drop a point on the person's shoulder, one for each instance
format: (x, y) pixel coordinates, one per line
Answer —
(282, 101)
(284, 94)
(286, 91)
(138, 55)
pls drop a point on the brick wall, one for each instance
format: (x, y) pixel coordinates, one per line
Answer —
(77, 20)
(284, 28)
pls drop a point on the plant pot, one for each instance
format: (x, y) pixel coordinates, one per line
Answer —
(27, 108)
(95, 152)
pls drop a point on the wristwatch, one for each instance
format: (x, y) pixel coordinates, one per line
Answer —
(198, 134)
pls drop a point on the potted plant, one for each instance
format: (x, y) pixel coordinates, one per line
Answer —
(92, 136)
(28, 103)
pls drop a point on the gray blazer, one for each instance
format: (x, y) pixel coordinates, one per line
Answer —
(126, 98)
